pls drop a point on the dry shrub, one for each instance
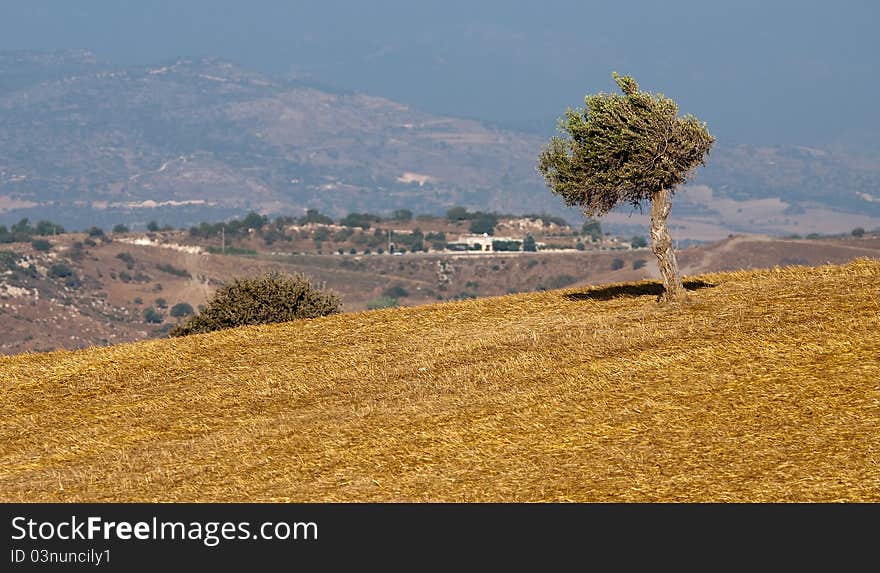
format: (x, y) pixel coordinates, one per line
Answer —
(270, 298)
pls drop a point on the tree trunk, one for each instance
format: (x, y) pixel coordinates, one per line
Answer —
(673, 289)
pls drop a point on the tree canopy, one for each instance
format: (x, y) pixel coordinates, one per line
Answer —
(622, 148)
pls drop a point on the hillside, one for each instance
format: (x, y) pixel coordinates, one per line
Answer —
(763, 387)
(196, 139)
(111, 285)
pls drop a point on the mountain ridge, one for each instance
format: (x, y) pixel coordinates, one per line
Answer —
(195, 139)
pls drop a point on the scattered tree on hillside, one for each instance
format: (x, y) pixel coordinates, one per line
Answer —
(41, 245)
(456, 214)
(627, 148)
(591, 228)
(529, 243)
(314, 216)
(270, 298)
(858, 232)
(484, 223)
(152, 226)
(152, 316)
(402, 215)
(182, 309)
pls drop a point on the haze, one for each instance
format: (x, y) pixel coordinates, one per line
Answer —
(757, 72)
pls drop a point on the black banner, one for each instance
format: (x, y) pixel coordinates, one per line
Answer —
(199, 537)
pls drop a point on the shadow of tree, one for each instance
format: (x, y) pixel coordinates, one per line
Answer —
(630, 290)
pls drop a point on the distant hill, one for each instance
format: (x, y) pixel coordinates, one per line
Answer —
(761, 388)
(86, 291)
(83, 143)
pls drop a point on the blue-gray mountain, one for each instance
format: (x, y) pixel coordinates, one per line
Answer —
(83, 143)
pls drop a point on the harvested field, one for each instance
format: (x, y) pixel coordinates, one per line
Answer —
(765, 386)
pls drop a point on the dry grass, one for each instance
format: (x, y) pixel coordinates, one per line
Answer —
(764, 387)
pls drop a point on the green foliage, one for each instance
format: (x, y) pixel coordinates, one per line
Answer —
(314, 216)
(270, 298)
(402, 215)
(46, 228)
(638, 242)
(382, 302)
(617, 264)
(152, 316)
(161, 303)
(232, 228)
(858, 232)
(556, 282)
(437, 240)
(639, 263)
(456, 214)
(484, 223)
(172, 270)
(591, 228)
(41, 245)
(396, 291)
(343, 234)
(95, 232)
(182, 309)
(580, 246)
(120, 228)
(60, 270)
(126, 258)
(231, 251)
(362, 220)
(622, 148)
(506, 245)
(22, 231)
(152, 226)
(529, 244)
(321, 234)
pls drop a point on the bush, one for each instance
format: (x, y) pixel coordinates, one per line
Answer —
(558, 281)
(484, 223)
(267, 299)
(638, 242)
(126, 258)
(161, 303)
(397, 291)
(172, 270)
(382, 302)
(182, 309)
(152, 226)
(639, 263)
(591, 228)
(402, 215)
(120, 228)
(152, 316)
(60, 270)
(617, 264)
(858, 232)
(41, 245)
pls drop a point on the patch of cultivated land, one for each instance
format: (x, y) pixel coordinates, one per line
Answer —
(763, 387)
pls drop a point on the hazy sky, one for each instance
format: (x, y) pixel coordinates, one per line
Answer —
(762, 71)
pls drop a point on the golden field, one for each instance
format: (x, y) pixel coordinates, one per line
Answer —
(764, 386)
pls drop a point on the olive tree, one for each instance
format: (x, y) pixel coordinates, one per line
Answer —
(627, 148)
